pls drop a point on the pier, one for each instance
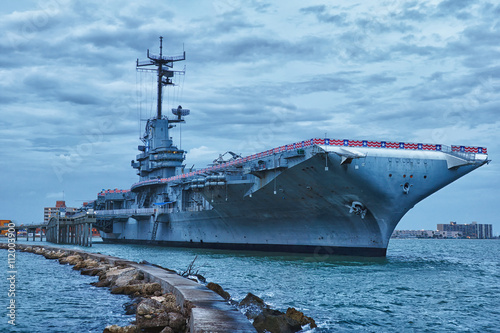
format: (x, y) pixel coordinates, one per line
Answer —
(30, 229)
(76, 229)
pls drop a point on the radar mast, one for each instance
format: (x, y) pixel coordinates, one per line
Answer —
(164, 72)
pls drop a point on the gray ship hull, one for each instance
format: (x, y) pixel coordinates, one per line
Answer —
(306, 207)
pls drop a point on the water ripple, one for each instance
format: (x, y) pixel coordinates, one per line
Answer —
(422, 285)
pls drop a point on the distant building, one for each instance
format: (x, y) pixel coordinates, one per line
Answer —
(448, 234)
(473, 230)
(425, 234)
(412, 234)
(59, 209)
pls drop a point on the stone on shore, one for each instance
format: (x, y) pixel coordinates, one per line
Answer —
(149, 306)
(167, 329)
(252, 306)
(131, 307)
(140, 289)
(266, 319)
(133, 276)
(219, 290)
(95, 271)
(120, 329)
(39, 250)
(113, 273)
(54, 254)
(275, 321)
(169, 302)
(158, 313)
(72, 259)
(151, 313)
(87, 263)
(176, 321)
(299, 317)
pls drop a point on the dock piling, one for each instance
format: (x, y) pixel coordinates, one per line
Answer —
(71, 229)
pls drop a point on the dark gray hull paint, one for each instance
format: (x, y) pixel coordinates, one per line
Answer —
(320, 251)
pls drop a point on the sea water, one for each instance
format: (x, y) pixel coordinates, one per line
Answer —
(421, 286)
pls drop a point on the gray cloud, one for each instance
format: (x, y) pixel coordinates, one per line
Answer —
(259, 75)
(323, 15)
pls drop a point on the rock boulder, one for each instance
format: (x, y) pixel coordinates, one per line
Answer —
(120, 329)
(299, 317)
(252, 305)
(150, 314)
(219, 290)
(275, 321)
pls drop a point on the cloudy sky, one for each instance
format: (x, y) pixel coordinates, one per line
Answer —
(259, 74)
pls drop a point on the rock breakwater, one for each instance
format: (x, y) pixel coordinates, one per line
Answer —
(163, 301)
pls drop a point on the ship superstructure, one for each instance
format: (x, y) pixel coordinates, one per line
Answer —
(318, 195)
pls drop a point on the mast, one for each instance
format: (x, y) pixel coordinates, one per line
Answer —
(164, 75)
(160, 65)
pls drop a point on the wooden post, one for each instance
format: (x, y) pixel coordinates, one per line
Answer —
(89, 234)
(85, 234)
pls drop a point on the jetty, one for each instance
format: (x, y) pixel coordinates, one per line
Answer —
(197, 309)
(72, 229)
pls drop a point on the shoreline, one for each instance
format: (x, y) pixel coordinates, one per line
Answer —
(164, 301)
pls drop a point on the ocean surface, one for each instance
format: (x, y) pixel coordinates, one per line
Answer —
(421, 286)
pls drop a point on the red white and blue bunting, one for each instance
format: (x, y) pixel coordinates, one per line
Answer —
(325, 142)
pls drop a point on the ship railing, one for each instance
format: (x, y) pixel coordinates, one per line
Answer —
(466, 152)
(454, 150)
(131, 212)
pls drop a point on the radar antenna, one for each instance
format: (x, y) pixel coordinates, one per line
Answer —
(179, 112)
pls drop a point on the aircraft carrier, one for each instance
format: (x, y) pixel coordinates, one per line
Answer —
(318, 195)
